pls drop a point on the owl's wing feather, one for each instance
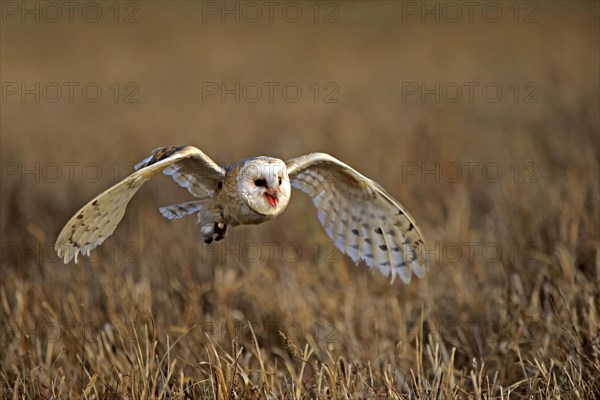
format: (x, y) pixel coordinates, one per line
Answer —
(362, 219)
(98, 219)
(196, 173)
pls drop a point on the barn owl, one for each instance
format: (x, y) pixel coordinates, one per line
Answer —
(361, 218)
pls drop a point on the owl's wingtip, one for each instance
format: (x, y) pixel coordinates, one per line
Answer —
(65, 251)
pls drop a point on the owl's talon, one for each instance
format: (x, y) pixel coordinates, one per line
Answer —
(220, 231)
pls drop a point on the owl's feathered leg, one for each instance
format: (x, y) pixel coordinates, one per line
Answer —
(212, 223)
(214, 231)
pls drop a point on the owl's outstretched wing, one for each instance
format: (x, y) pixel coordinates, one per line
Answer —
(362, 219)
(97, 220)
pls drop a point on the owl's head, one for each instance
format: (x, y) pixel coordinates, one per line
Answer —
(265, 185)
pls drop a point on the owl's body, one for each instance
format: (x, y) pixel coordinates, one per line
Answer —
(226, 203)
(358, 215)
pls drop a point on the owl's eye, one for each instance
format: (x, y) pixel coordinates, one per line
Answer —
(260, 182)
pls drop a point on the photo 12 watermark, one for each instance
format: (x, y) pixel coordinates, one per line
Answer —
(64, 171)
(282, 252)
(424, 172)
(52, 12)
(272, 12)
(253, 252)
(457, 332)
(470, 92)
(454, 252)
(270, 92)
(323, 332)
(69, 92)
(452, 12)
(67, 332)
(470, 172)
(326, 252)
(18, 252)
(91, 332)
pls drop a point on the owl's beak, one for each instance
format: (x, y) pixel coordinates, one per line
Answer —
(271, 195)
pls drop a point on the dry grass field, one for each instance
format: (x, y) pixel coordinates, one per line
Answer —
(484, 124)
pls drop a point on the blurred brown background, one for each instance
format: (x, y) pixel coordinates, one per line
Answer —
(384, 86)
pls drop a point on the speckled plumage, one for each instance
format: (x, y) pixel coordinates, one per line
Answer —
(362, 219)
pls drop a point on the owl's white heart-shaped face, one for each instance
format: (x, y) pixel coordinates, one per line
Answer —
(265, 185)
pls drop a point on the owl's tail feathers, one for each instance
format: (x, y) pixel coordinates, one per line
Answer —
(181, 210)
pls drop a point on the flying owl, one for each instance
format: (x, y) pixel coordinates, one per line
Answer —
(361, 218)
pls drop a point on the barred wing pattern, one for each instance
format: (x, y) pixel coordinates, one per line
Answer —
(98, 219)
(362, 219)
